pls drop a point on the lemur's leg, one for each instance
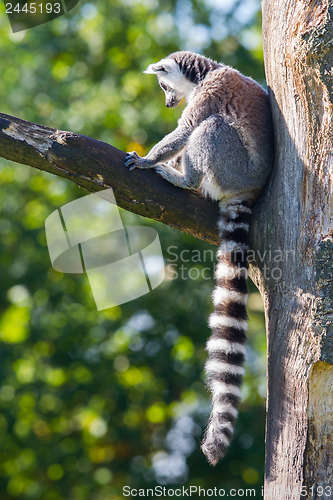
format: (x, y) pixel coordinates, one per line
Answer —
(197, 159)
(189, 178)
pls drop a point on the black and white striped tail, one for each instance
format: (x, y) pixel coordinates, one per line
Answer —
(224, 367)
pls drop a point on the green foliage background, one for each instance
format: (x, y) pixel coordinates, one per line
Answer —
(92, 401)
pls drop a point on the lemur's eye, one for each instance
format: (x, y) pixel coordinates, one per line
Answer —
(164, 87)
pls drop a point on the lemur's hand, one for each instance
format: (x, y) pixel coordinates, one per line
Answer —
(133, 160)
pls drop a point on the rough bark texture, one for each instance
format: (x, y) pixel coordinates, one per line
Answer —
(95, 165)
(294, 227)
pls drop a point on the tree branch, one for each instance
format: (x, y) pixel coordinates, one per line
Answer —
(96, 165)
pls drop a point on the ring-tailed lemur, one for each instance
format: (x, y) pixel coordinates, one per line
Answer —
(224, 142)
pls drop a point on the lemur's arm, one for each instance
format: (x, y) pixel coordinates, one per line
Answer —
(167, 148)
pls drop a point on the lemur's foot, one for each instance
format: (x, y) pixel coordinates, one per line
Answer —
(133, 160)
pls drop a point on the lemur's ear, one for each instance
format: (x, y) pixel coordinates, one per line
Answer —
(154, 69)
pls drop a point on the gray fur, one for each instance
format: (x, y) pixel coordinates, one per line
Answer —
(224, 146)
(225, 131)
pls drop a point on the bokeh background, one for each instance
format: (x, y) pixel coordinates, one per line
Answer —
(93, 401)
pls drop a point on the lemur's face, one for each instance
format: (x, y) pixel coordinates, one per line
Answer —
(171, 80)
(173, 96)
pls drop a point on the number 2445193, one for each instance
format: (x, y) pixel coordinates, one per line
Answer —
(33, 8)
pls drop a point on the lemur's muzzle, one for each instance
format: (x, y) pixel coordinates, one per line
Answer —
(172, 102)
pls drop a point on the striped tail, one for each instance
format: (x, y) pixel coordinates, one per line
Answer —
(226, 350)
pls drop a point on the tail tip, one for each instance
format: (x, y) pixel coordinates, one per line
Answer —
(214, 451)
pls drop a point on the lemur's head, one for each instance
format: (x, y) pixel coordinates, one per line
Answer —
(177, 76)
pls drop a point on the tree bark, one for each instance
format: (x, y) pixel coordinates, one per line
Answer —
(293, 225)
(96, 165)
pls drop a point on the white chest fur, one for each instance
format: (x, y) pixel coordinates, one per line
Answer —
(210, 188)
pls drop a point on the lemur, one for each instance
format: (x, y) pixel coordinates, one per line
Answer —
(224, 143)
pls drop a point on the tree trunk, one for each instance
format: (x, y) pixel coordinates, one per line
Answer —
(293, 247)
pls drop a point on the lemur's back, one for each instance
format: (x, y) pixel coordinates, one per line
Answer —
(242, 102)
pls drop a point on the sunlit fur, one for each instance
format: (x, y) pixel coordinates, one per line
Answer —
(176, 85)
(223, 145)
